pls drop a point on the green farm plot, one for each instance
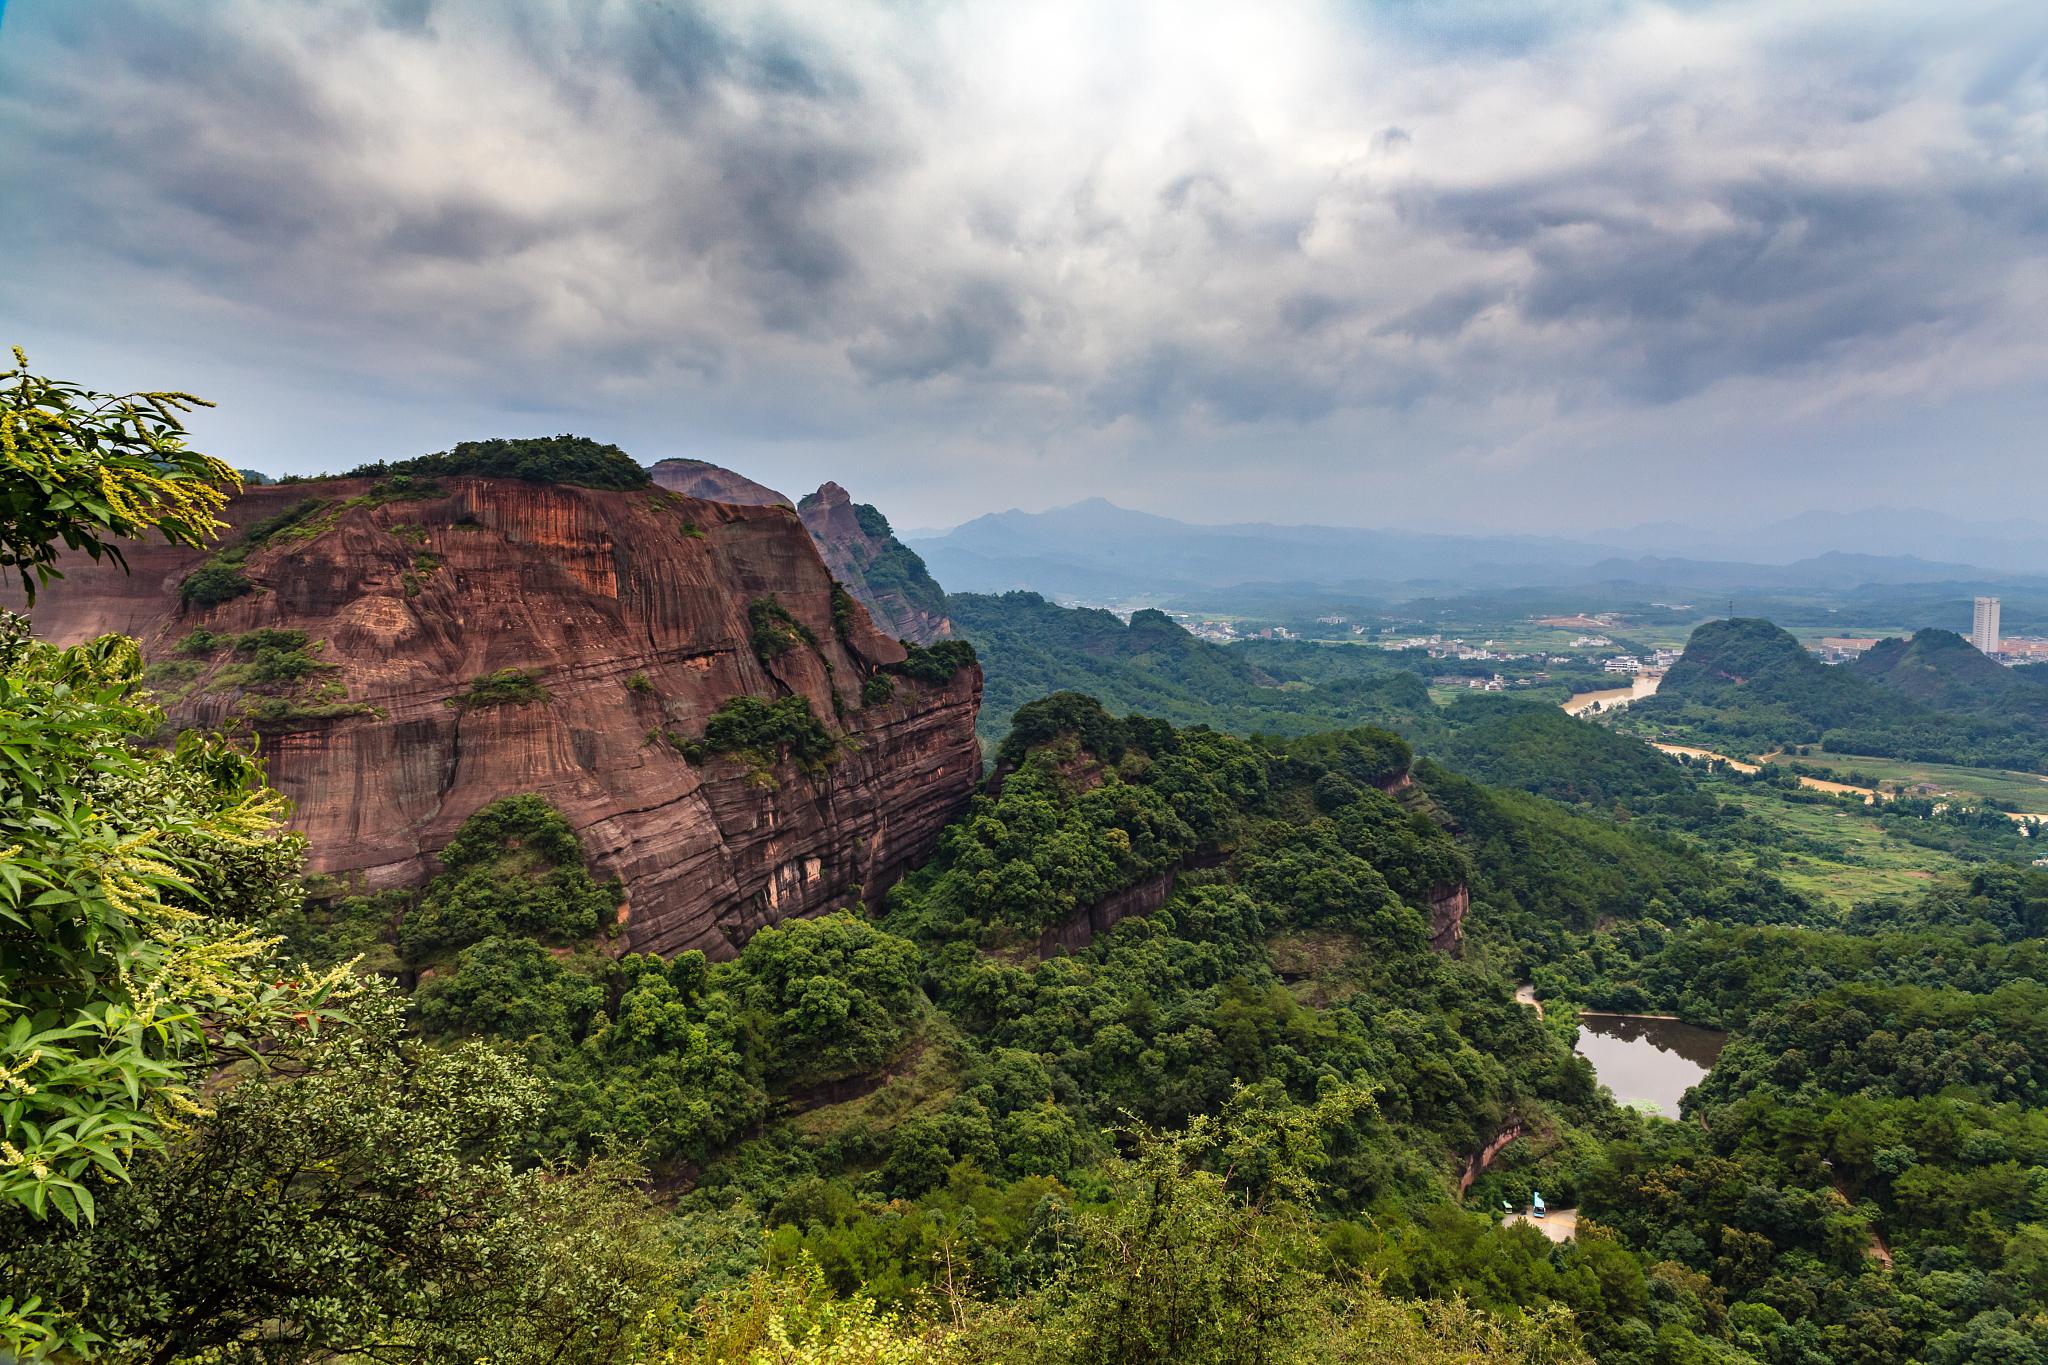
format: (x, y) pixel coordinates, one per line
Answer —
(2021, 791)
(1832, 852)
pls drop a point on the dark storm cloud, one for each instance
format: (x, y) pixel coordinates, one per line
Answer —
(966, 334)
(1444, 316)
(1514, 231)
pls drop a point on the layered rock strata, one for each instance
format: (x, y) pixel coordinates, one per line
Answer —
(625, 617)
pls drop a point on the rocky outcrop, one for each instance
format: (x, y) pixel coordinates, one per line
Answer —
(1079, 930)
(1476, 1164)
(883, 574)
(1448, 906)
(628, 614)
(881, 571)
(713, 483)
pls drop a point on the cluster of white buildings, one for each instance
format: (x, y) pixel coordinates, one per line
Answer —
(1437, 647)
(1659, 661)
(1224, 632)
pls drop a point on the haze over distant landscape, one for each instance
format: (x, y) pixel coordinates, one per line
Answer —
(1095, 550)
(1542, 269)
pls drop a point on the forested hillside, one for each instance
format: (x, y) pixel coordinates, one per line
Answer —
(1180, 1046)
(928, 1103)
(1750, 684)
(1030, 647)
(1941, 669)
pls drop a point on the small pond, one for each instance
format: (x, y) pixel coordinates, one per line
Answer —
(1648, 1062)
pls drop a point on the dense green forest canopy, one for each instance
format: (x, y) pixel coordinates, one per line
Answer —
(1030, 647)
(1184, 1046)
(873, 1097)
(566, 459)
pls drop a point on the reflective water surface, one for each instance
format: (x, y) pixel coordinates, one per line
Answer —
(1648, 1061)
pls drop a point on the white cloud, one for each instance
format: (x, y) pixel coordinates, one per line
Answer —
(988, 252)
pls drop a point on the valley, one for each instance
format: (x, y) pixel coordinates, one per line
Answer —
(874, 683)
(881, 957)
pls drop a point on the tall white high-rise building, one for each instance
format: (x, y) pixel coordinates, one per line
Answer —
(1984, 625)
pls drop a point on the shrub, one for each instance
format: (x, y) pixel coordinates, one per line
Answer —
(640, 683)
(264, 638)
(213, 583)
(277, 525)
(424, 567)
(399, 488)
(877, 690)
(842, 610)
(937, 664)
(506, 687)
(775, 631)
(273, 657)
(165, 672)
(760, 732)
(515, 867)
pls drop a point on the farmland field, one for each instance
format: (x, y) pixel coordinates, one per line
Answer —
(2021, 791)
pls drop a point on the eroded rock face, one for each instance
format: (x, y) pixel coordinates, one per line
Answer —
(881, 571)
(1448, 906)
(713, 483)
(631, 609)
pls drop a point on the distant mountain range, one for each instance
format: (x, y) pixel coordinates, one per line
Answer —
(2016, 545)
(1096, 549)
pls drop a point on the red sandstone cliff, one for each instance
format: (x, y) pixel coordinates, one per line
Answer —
(632, 610)
(880, 570)
(883, 574)
(713, 483)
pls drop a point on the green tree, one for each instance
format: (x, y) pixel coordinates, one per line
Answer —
(87, 470)
(130, 880)
(362, 1199)
(837, 995)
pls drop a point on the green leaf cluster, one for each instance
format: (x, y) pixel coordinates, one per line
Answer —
(86, 470)
(516, 868)
(774, 630)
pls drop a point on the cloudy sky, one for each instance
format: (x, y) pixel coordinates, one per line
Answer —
(1547, 265)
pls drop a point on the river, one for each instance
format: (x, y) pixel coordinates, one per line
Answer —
(1648, 1061)
(1688, 751)
(1611, 698)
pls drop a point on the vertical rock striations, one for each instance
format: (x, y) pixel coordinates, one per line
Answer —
(883, 574)
(620, 623)
(880, 570)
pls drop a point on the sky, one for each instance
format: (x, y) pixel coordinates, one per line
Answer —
(1544, 267)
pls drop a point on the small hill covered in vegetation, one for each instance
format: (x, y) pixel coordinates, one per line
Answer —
(575, 460)
(1940, 669)
(1030, 647)
(1747, 683)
